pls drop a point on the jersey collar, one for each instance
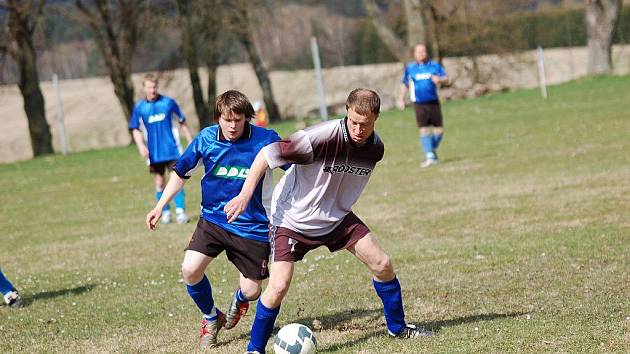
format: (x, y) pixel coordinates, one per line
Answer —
(247, 133)
(346, 136)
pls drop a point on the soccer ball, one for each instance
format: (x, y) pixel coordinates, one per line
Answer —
(295, 338)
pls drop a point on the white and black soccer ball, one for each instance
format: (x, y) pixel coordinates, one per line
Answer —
(295, 338)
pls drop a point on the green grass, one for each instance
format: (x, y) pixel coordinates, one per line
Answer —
(518, 242)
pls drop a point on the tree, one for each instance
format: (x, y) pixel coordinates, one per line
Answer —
(416, 29)
(117, 28)
(22, 22)
(391, 39)
(602, 18)
(239, 10)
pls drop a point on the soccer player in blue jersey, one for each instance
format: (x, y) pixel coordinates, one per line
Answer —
(421, 79)
(10, 294)
(158, 140)
(226, 151)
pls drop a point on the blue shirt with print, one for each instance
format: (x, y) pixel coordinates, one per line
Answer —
(155, 119)
(417, 78)
(226, 166)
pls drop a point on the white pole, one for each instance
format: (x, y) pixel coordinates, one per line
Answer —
(318, 77)
(62, 128)
(541, 73)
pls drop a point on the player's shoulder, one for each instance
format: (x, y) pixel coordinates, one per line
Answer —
(207, 136)
(410, 64)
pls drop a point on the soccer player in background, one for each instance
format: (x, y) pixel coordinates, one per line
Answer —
(158, 140)
(421, 79)
(312, 207)
(226, 150)
(11, 296)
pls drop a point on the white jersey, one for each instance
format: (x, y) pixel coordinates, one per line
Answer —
(328, 175)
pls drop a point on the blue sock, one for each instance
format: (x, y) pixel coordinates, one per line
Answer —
(262, 327)
(158, 195)
(391, 295)
(427, 145)
(180, 199)
(201, 293)
(5, 284)
(436, 141)
(240, 297)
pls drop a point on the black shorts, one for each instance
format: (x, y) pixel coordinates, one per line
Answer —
(249, 256)
(160, 167)
(428, 114)
(291, 246)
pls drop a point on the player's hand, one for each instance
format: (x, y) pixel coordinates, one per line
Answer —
(152, 218)
(436, 79)
(144, 152)
(400, 103)
(236, 207)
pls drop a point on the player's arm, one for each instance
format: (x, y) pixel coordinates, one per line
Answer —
(186, 131)
(174, 185)
(236, 206)
(401, 99)
(440, 76)
(138, 138)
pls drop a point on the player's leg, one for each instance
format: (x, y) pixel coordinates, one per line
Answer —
(180, 201)
(160, 182)
(269, 305)
(426, 140)
(9, 293)
(250, 257)
(387, 287)
(438, 126)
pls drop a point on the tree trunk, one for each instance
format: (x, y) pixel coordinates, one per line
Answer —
(190, 53)
(21, 31)
(602, 17)
(434, 41)
(212, 64)
(263, 77)
(393, 43)
(416, 33)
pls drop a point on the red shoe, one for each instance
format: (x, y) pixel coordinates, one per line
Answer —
(210, 329)
(236, 310)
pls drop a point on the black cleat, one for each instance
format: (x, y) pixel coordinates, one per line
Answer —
(411, 331)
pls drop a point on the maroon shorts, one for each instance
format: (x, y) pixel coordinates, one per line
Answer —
(161, 167)
(428, 114)
(290, 246)
(249, 256)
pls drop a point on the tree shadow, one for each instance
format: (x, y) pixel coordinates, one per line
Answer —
(45, 295)
(437, 326)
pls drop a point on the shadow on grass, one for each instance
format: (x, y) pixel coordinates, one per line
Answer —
(436, 326)
(45, 295)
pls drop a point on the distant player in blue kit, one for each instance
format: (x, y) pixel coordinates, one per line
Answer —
(10, 294)
(226, 150)
(158, 140)
(421, 79)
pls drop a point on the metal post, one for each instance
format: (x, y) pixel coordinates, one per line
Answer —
(318, 77)
(541, 73)
(62, 128)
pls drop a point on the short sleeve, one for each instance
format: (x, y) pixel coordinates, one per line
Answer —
(186, 164)
(134, 122)
(296, 149)
(405, 78)
(440, 70)
(180, 116)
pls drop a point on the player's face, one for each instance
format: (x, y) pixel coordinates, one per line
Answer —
(232, 125)
(420, 53)
(150, 90)
(360, 127)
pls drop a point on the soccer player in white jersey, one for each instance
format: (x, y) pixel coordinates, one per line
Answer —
(312, 207)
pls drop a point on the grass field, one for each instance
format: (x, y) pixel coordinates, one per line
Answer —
(518, 242)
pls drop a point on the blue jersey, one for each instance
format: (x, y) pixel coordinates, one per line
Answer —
(155, 119)
(226, 166)
(417, 78)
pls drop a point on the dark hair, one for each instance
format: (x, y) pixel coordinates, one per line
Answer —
(364, 101)
(150, 77)
(235, 102)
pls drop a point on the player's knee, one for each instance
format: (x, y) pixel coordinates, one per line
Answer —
(278, 289)
(251, 291)
(191, 274)
(383, 267)
(424, 131)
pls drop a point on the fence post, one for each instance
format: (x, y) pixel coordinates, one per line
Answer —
(541, 72)
(318, 77)
(62, 128)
